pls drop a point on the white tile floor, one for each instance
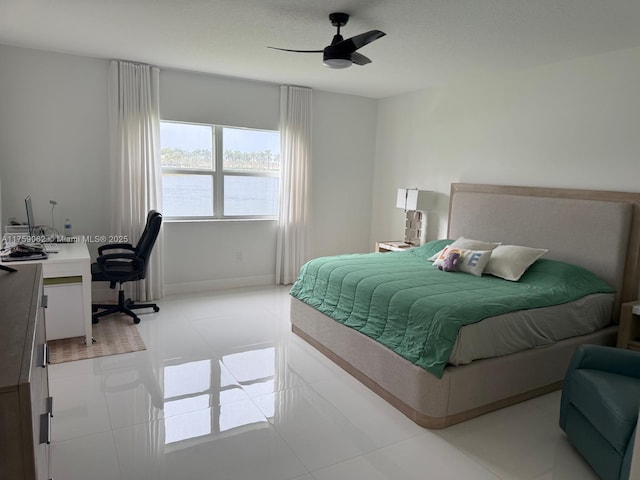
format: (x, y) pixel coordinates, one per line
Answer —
(225, 391)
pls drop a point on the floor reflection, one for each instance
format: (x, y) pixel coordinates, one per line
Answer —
(255, 371)
(210, 394)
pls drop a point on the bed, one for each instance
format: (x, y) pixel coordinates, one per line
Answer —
(597, 230)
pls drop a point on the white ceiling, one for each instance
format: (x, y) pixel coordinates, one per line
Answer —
(428, 42)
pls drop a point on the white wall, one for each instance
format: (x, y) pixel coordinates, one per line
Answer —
(53, 138)
(54, 145)
(342, 172)
(572, 124)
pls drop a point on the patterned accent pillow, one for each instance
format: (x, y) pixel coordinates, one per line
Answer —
(474, 261)
(465, 244)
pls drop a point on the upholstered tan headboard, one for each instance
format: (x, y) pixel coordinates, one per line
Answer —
(598, 230)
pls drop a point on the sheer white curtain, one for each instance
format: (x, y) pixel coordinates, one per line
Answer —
(134, 129)
(294, 224)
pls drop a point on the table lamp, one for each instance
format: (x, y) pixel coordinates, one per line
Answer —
(415, 203)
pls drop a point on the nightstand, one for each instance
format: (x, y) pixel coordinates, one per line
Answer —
(629, 329)
(394, 246)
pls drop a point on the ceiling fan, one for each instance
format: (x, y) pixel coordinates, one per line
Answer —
(342, 53)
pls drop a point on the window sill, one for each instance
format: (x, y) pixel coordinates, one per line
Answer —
(217, 220)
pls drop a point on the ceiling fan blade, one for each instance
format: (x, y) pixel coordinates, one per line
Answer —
(354, 43)
(298, 51)
(359, 59)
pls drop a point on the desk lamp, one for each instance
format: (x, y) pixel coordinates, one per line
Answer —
(53, 205)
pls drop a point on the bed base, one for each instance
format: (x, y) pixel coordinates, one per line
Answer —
(463, 392)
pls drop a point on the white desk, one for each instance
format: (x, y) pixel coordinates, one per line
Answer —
(71, 261)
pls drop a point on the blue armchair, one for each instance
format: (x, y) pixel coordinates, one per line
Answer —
(599, 407)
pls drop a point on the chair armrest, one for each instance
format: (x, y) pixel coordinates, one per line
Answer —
(111, 257)
(117, 260)
(114, 246)
(608, 359)
(111, 265)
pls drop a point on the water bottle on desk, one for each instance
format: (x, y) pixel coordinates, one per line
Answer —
(67, 230)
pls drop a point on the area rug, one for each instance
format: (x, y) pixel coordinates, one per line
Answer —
(113, 336)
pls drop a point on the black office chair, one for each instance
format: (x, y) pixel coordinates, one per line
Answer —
(130, 266)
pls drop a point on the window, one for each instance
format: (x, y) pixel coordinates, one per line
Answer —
(210, 171)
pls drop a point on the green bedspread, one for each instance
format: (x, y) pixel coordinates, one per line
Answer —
(402, 301)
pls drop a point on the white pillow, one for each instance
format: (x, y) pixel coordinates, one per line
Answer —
(464, 244)
(474, 261)
(511, 261)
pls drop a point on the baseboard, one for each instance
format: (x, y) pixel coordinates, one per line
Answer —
(222, 284)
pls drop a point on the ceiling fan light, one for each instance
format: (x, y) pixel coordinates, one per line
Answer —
(337, 62)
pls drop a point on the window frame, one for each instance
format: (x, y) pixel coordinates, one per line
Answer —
(218, 173)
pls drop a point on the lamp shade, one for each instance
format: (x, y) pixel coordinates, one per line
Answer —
(401, 199)
(414, 199)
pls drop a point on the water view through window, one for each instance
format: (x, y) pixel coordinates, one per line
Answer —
(244, 165)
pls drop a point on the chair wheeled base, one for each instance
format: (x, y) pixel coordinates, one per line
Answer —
(123, 306)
